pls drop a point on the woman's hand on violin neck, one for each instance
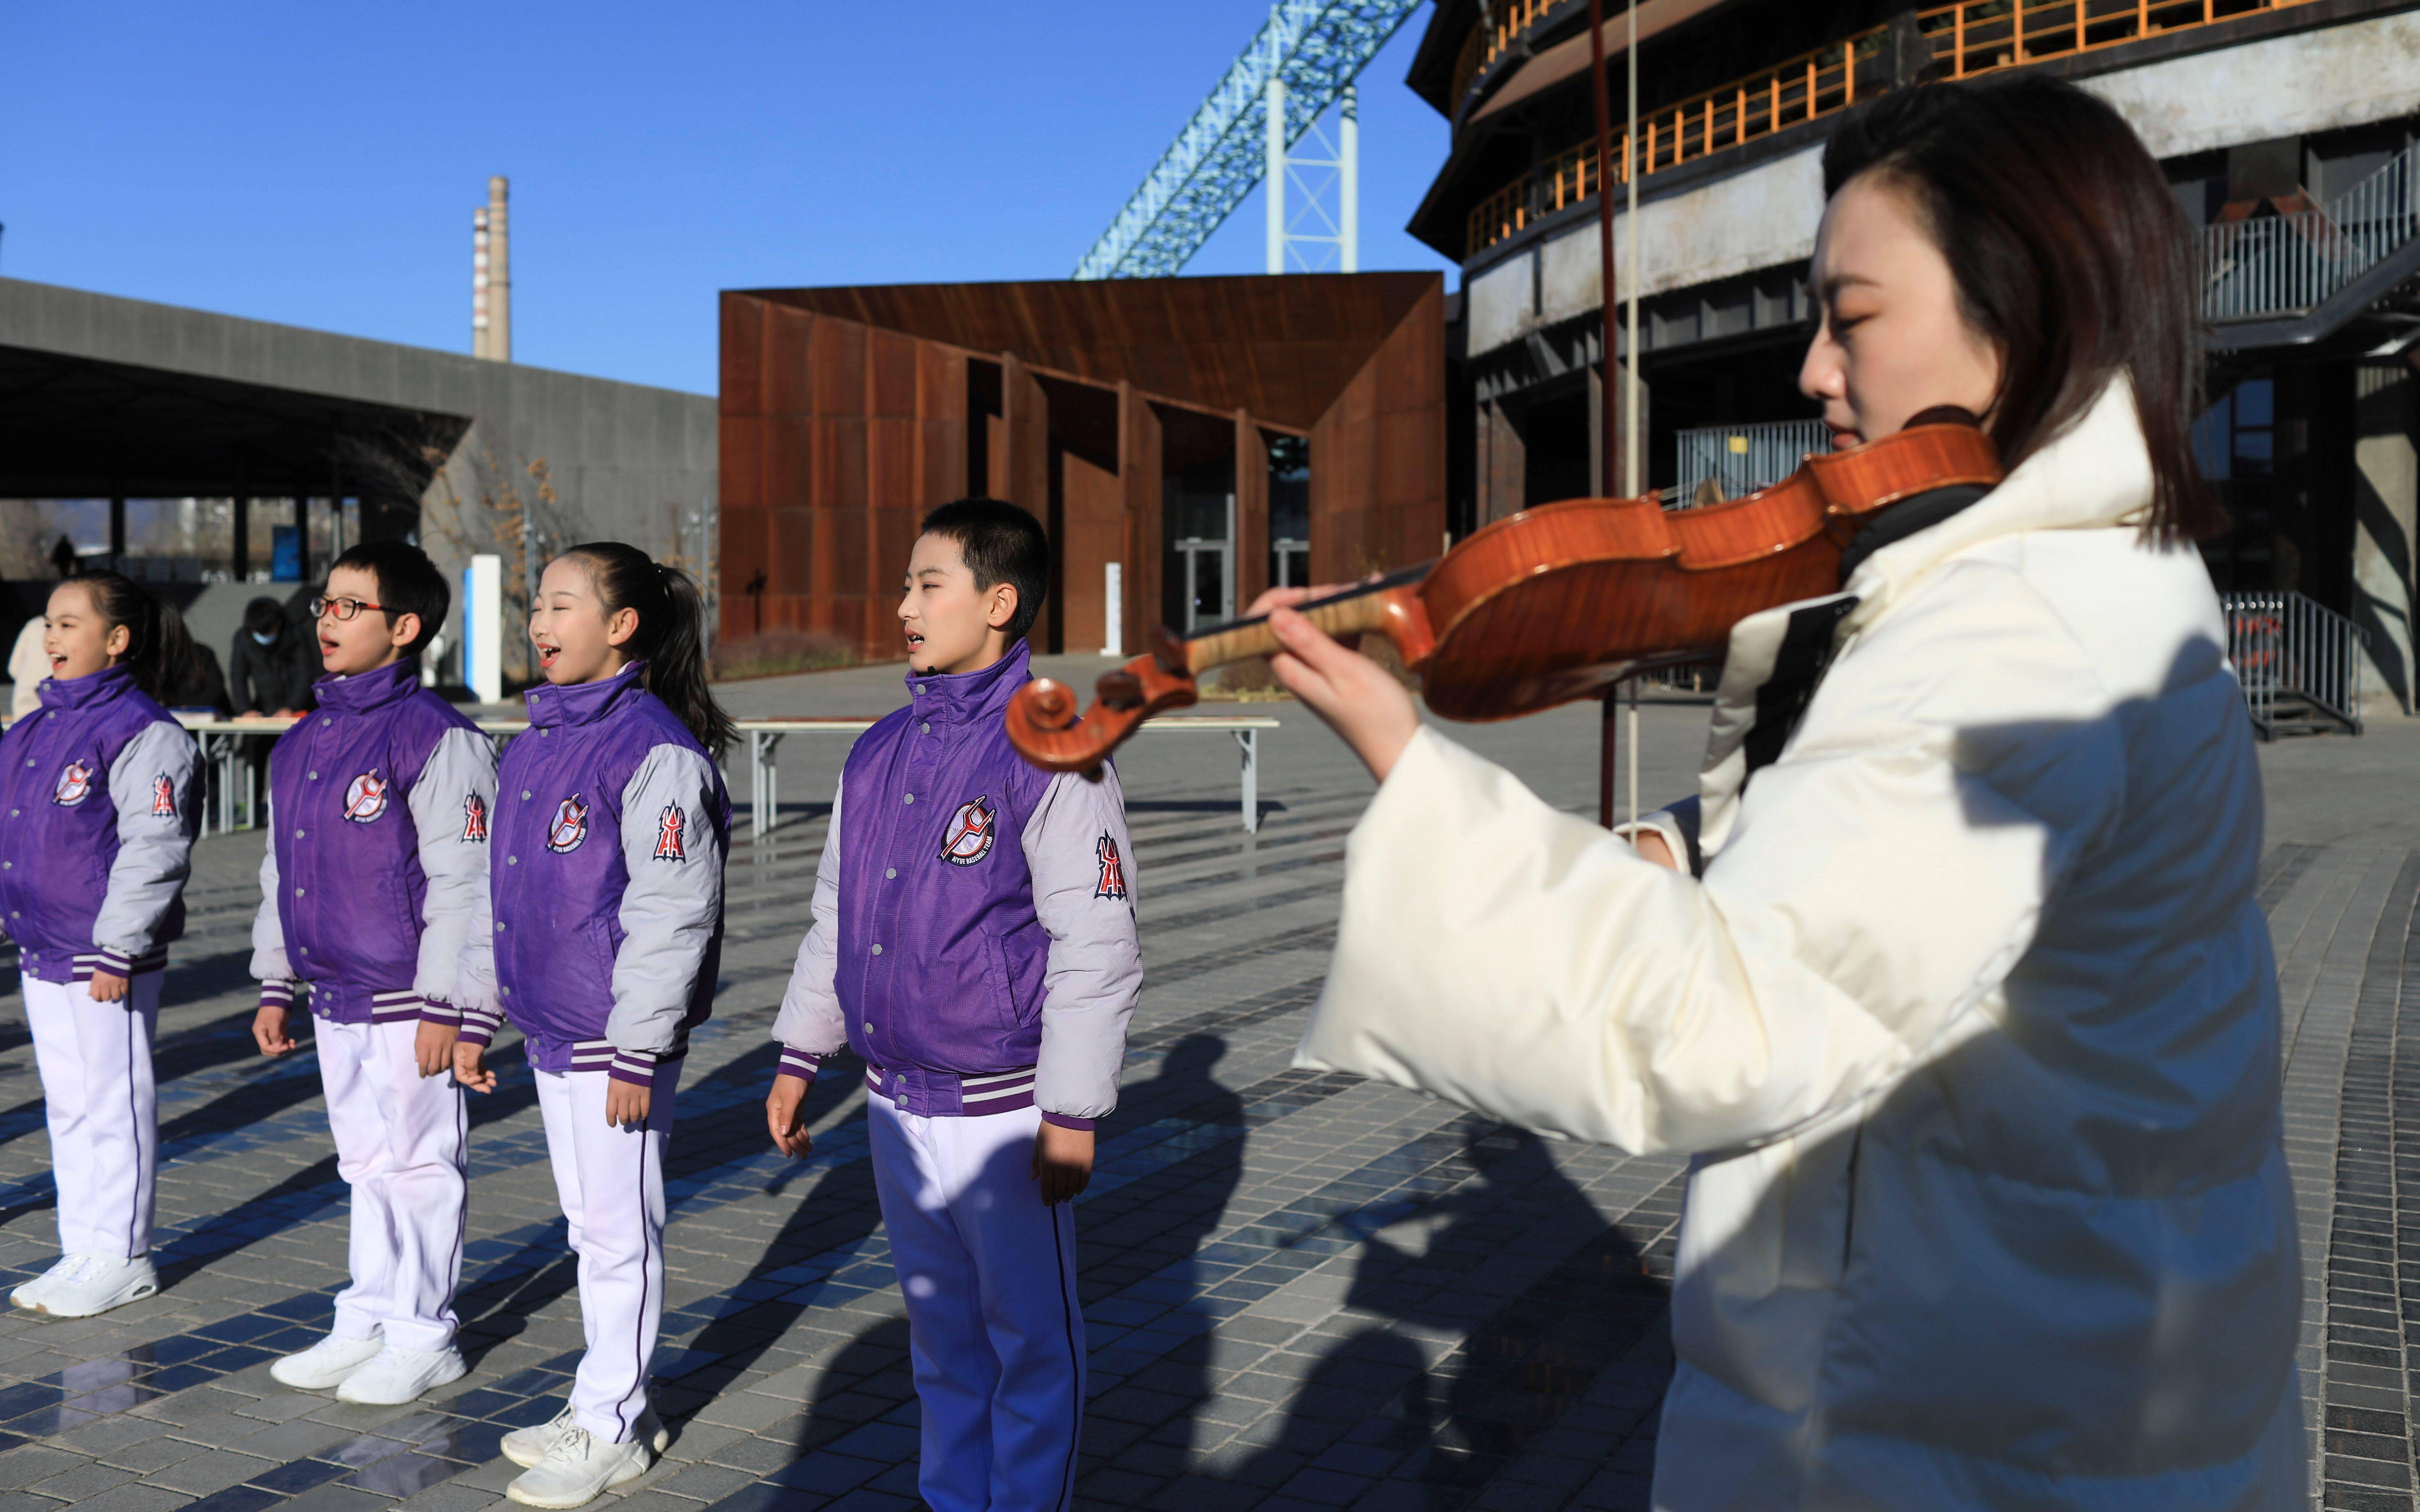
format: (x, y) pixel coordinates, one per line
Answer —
(1360, 700)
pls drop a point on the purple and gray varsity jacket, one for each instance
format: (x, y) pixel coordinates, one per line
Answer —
(374, 886)
(98, 835)
(611, 824)
(973, 937)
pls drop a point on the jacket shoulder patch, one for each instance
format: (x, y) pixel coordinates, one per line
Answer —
(669, 846)
(1112, 881)
(164, 797)
(475, 820)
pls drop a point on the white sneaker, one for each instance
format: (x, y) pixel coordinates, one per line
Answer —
(398, 1376)
(325, 1364)
(527, 1447)
(98, 1283)
(578, 1466)
(30, 1294)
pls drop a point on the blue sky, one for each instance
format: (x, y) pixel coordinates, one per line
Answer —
(317, 165)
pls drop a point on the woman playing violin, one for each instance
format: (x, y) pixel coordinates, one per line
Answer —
(1959, 994)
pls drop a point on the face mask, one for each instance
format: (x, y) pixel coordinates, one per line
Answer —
(264, 640)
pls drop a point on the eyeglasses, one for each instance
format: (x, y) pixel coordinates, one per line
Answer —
(345, 607)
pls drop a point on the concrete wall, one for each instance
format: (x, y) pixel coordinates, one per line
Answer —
(1765, 216)
(621, 460)
(2290, 85)
(2386, 526)
(1762, 218)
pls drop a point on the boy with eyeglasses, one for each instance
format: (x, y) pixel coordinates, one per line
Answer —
(374, 896)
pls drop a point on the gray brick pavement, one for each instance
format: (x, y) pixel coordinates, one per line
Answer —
(1301, 1290)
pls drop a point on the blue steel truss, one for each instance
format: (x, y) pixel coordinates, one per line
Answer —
(1315, 46)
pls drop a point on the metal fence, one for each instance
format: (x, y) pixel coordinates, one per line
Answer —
(2296, 260)
(2299, 662)
(1741, 458)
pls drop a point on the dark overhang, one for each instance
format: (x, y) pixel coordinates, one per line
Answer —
(75, 427)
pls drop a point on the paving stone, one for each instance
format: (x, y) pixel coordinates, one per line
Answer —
(88, 1479)
(150, 1456)
(134, 1498)
(30, 1464)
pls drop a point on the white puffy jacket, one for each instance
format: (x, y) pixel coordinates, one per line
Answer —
(1971, 1023)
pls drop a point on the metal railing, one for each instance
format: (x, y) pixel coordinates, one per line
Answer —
(1486, 43)
(2299, 662)
(1739, 460)
(2295, 260)
(1977, 36)
(1970, 37)
(1801, 89)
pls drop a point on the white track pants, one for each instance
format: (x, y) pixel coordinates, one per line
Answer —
(104, 1116)
(996, 1331)
(399, 1144)
(611, 1183)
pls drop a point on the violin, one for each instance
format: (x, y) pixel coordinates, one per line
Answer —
(1556, 603)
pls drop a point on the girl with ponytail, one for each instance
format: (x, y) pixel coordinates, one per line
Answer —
(606, 872)
(93, 859)
(159, 655)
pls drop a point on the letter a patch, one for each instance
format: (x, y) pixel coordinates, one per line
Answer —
(475, 820)
(1112, 882)
(668, 835)
(164, 797)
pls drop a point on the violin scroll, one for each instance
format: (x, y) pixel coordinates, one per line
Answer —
(1043, 726)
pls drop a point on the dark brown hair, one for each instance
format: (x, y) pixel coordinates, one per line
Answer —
(408, 583)
(158, 652)
(670, 637)
(1001, 544)
(2070, 257)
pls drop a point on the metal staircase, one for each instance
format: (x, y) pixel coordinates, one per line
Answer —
(2298, 664)
(2308, 272)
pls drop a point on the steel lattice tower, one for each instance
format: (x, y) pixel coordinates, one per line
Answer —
(1304, 58)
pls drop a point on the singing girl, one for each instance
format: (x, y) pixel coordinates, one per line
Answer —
(610, 832)
(97, 824)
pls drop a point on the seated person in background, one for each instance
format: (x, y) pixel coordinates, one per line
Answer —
(273, 668)
(199, 683)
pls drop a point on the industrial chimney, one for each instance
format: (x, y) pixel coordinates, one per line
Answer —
(492, 284)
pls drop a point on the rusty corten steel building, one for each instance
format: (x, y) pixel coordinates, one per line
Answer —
(1208, 436)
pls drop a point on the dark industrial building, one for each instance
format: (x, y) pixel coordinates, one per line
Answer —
(225, 457)
(2286, 127)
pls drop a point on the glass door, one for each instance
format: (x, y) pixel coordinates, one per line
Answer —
(1209, 583)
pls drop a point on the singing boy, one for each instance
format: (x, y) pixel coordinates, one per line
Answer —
(973, 941)
(374, 896)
